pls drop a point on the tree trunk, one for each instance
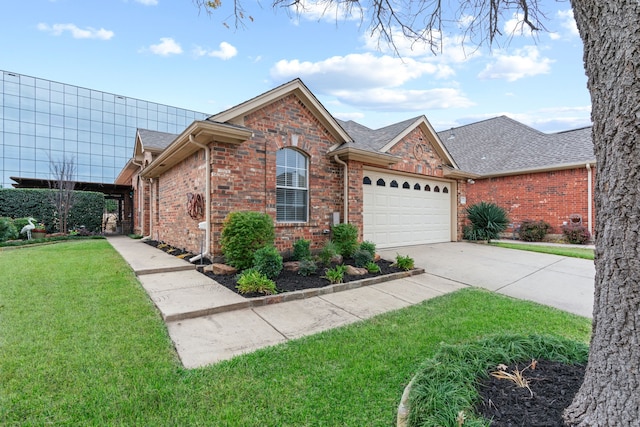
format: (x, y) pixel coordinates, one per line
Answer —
(610, 394)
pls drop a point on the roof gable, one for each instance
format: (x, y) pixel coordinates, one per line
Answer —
(235, 115)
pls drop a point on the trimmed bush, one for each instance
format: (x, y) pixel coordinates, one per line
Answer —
(307, 267)
(345, 236)
(251, 280)
(362, 257)
(533, 231)
(488, 220)
(328, 251)
(369, 247)
(243, 233)
(268, 261)
(8, 230)
(576, 234)
(301, 249)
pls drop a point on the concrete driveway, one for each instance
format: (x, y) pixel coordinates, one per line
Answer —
(561, 282)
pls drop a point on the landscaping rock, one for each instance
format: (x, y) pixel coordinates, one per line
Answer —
(336, 259)
(355, 271)
(223, 269)
(291, 266)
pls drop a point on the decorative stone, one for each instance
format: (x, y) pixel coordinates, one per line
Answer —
(223, 269)
(336, 259)
(291, 266)
(355, 271)
(376, 257)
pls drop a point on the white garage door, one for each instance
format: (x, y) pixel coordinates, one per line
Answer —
(401, 210)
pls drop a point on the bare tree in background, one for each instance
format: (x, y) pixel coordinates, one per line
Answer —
(63, 184)
(610, 31)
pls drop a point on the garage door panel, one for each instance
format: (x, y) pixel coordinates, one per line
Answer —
(396, 216)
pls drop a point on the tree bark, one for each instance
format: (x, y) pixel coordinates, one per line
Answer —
(610, 394)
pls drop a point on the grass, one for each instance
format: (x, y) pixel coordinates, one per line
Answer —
(585, 253)
(82, 344)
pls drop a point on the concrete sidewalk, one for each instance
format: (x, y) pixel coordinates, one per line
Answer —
(209, 323)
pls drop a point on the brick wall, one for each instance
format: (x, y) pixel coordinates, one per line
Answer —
(548, 196)
(243, 178)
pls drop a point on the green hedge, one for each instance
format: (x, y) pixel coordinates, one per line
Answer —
(35, 202)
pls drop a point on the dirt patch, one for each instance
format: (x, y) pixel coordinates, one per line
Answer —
(552, 386)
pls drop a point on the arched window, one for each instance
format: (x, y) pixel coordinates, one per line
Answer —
(366, 180)
(427, 187)
(416, 187)
(394, 184)
(445, 190)
(292, 186)
(380, 183)
(436, 189)
(406, 185)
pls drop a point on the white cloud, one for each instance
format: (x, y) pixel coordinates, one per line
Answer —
(167, 46)
(526, 62)
(568, 22)
(355, 71)
(225, 51)
(384, 99)
(148, 2)
(348, 116)
(76, 32)
(319, 10)
(517, 27)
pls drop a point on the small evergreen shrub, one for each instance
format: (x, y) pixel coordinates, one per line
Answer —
(307, 267)
(405, 263)
(576, 234)
(243, 233)
(336, 274)
(372, 267)
(328, 251)
(251, 280)
(8, 230)
(345, 236)
(362, 257)
(301, 249)
(268, 261)
(533, 231)
(369, 247)
(488, 220)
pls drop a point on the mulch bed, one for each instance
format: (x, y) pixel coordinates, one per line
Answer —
(287, 281)
(553, 384)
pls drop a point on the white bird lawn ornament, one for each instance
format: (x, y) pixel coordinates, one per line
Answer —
(27, 228)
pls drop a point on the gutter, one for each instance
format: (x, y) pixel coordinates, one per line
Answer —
(207, 238)
(346, 187)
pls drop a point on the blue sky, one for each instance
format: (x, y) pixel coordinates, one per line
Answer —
(169, 52)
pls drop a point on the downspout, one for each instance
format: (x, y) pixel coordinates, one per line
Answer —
(151, 204)
(207, 198)
(346, 187)
(589, 199)
(141, 201)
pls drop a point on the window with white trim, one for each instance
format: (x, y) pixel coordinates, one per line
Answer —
(292, 186)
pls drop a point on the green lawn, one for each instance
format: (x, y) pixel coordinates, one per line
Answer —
(585, 253)
(81, 344)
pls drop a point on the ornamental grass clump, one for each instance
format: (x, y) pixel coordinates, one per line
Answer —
(328, 251)
(251, 280)
(345, 237)
(307, 267)
(488, 220)
(336, 274)
(405, 263)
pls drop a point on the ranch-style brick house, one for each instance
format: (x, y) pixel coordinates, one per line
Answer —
(531, 174)
(282, 153)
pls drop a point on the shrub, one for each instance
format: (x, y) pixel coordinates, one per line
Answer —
(404, 262)
(301, 249)
(251, 280)
(8, 230)
(336, 274)
(307, 267)
(369, 247)
(488, 220)
(362, 257)
(243, 233)
(345, 236)
(268, 261)
(372, 267)
(533, 231)
(328, 251)
(576, 234)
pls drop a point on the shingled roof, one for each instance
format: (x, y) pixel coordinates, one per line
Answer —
(502, 146)
(154, 140)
